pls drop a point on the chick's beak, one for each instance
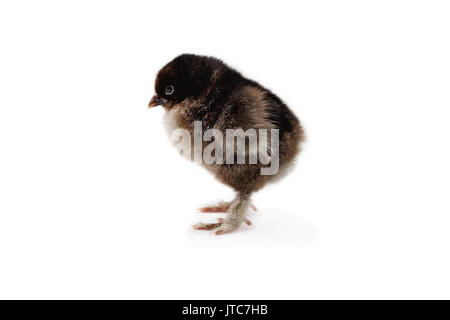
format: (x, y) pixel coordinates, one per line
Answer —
(156, 101)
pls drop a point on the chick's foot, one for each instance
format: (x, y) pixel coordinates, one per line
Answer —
(222, 206)
(228, 226)
(206, 226)
(222, 226)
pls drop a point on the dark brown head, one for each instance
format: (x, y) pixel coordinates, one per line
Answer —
(188, 76)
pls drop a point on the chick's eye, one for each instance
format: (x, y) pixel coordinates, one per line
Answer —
(169, 90)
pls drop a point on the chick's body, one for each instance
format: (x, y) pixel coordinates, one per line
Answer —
(207, 90)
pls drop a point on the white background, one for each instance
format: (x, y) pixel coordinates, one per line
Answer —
(96, 203)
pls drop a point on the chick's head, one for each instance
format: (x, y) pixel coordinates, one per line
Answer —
(187, 76)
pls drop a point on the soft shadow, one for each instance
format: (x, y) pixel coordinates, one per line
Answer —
(271, 228)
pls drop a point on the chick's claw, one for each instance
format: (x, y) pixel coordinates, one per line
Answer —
(247, 222)
(220, 207)
(221, 227)
(225, 227)
(206, 226)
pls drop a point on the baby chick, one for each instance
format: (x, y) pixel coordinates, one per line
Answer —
(195, 88)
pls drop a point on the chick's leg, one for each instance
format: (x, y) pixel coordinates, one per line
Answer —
(236, 214)
(236, 211)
